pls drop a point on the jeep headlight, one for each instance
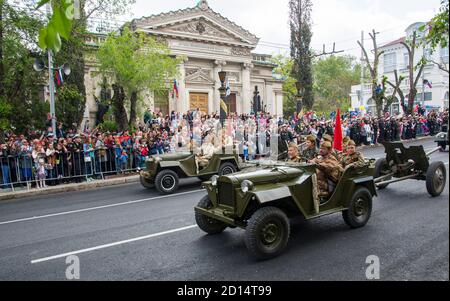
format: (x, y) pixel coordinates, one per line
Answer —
(246, 186)
(214, 180)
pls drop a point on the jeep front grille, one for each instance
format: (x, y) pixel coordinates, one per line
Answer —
(226, 194)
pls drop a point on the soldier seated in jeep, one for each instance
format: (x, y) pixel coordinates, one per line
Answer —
(352, 157)
(328, 171)
(206, 152)
(293, 153)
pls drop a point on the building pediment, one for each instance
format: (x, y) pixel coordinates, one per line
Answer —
(200, 23)
(194, 75)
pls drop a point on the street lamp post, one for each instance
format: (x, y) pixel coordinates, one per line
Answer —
(223, 112)
(256, 109)
(39, 66)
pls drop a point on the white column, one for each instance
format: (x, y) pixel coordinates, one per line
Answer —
(246, 88)
(182, 103)
(269, 101)
(218, 66)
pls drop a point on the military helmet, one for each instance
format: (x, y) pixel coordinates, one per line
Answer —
(327, 137)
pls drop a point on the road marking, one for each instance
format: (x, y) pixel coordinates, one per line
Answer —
(112, 244)
(97, 208)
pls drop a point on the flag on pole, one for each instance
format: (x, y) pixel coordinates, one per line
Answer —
(223, 111)
(175, 89)
(338, 139)
(428, 83)
(228, 89)
(59, 77)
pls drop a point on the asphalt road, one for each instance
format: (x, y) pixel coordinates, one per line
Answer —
(129, 233)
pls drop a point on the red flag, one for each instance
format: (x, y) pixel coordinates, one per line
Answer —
(337, 145)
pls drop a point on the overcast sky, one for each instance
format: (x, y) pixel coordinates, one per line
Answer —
(339, 21)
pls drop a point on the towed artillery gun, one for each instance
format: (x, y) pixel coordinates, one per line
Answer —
(402, 163)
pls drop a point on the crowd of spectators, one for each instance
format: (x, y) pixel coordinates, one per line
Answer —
(38, 159)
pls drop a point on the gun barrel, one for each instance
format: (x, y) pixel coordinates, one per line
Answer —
(433, 151)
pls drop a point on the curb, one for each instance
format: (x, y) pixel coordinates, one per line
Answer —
(68, 188)
(402, 141)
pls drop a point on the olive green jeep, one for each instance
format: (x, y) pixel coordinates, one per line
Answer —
(164, 171)
(262, 199)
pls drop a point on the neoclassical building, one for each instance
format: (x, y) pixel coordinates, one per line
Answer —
(209, 43)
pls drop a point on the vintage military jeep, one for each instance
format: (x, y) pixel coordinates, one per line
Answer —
(262, 199)
(164, 171)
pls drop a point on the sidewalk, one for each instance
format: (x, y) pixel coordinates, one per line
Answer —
(68, 188)
(402, 141)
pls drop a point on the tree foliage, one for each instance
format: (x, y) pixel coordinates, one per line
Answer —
(301, 35)
(438, 28)
(333, 78)
(136, 63)
(21, 88)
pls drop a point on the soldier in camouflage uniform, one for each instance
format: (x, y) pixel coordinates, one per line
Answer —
(328, 168)
(335, 153)
(293, 153)
(352, 157)
(310, 152)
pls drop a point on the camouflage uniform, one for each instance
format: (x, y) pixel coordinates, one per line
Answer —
(357, 159)
(309, 154)
(337, 155)
(296, 160)
(328, 168)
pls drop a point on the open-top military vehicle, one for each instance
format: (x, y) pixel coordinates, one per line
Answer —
(402, 163)
(262, 199)
(164, 171)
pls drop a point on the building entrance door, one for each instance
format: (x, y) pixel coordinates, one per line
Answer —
(199, 101)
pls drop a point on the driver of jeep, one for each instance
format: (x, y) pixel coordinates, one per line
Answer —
(206, 152)
(328, 168)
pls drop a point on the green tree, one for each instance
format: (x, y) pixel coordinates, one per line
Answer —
(333, 78)
(284, 68)
(301, 34)
(21, 88)
(136, 63)
(437, 29)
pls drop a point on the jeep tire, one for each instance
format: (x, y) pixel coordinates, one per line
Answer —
(227, 168)
(166, 181)
(145, 183)
(360, 209)
(436, 178)
(267, 233)
(209, 225)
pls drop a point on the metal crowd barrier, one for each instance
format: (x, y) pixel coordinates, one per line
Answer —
(21, 171)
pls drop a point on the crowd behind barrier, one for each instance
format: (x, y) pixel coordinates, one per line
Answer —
(39, 159)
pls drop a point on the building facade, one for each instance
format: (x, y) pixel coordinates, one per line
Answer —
(395, 57)
(208, 43)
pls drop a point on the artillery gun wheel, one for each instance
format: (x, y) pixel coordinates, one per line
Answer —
(208, 225)
(227, 168)
(436, 178)
(146, 184)
(382, 168)
(360, 209)
(267, 233)
(166, 181)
